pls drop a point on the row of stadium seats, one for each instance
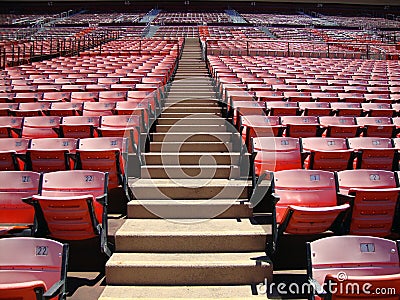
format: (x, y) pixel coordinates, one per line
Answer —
(355, 202)
(330, 154)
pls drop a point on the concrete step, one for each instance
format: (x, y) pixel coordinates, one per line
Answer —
(238, 292)
(144, 189)
(189, 209)
(190, 147)
(189, 102)
(191, 236)
(190, 93)
(192, 137)
(188, 268)
(192, 115)
(191, 128)
(193, 109)
(199, 103)
(189, 171)
(192, 158)
(192, 121)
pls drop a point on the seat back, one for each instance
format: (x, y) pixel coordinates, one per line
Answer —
(306, 188)
(41, 127)
(375, 200)
(79, 126)
(9, 147)
(27, 263)
(276, 153)
(330, 154)
(373, 153)
(104, 154)
(15, 185)
(377, 126)
(301, 126)
(340, 127)
(68, 206)
(9, 123)
(364, 256)
(51, 154)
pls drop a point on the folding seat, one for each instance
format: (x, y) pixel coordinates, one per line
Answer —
(69, 88)
(12, 153)
(330, 154)
(6, 108)
(96, 87)
(56, 96)
(368, 264)
(112, 96)
(27, 97)
(332, 88)
(267, 96)
(51, 154)
(129, 126)
(142, 109)
(41, 127)
(280, 108)
(325, 97)
(347, 109)
(6, 97)
(378, 90)
(10, 127)
(63, 109)
(304, 202)
(72, 206)
(147, 87)
(373, 195)
(49, 88)
(79, 127)
(275, 154)
(297, 96)
(259, 87)
(145, 97)
(105, 154)
(377, 127)
(301, 126)
(98, 108)
(315, 108)
(308, 88)
(238, 108)
(340, 127)
(258, 126)
(14, 186)
(24, 89)
(31, 109)
(352, 97)
(378, 110)
(84, 97)
(107, 80)
(374, 153)
(33, 268)
(379, 98)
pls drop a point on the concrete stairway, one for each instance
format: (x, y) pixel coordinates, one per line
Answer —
(189, 231)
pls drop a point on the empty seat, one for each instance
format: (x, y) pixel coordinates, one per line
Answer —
(72, 205)
(14, 186)
(378, 109)
(360, 265)
(374, 153)
(97, 109)
(280, 108)
(340, 127)
(63, 109)
(79, 127)
(258, 126)
(347, 109)
(56, 96)
(51, 154)
(31, 109)
(41, 127)
(305, 202)
(84, 97)
(373, 195)
(10, 127)
(315, 108)
(112, 96)
(301, 126)
(32, 268)
(12, 153)
(330, 154)
(107, 154)
(275, 154)
(377, 126)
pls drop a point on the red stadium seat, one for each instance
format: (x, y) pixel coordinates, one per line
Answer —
(72, 206)
(339, 127)
(79, 127)
(366, 260)
(377, 127)
(12, 153)
(301, 126)
(373, 195)
(14, 186)
(32, 268)
(330, 154)
(41, 127)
